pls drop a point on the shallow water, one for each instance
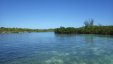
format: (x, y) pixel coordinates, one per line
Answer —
(50, 48)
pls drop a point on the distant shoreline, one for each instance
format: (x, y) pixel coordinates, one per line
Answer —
(103, 30)
(22, 30)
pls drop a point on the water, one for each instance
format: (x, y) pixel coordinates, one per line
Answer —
(50, 48)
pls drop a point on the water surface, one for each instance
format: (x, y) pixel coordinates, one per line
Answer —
(50, 48)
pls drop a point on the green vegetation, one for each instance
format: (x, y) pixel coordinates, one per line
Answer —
(18, 30)
(89, 28)
(107, 30)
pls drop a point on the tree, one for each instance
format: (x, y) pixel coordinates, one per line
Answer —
(89, 22)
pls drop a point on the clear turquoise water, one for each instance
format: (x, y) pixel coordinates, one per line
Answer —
(50, 48)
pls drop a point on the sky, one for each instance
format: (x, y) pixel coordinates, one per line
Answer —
(44, 14)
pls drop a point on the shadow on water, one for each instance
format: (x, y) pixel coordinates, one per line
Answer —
(87, 38)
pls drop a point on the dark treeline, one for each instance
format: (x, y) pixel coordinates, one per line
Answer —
(17, 30)
(89, 28)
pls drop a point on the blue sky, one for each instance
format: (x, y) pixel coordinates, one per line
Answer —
(54, 13)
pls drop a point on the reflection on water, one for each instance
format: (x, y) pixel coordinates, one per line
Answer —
(50, 48)
(89, 38)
